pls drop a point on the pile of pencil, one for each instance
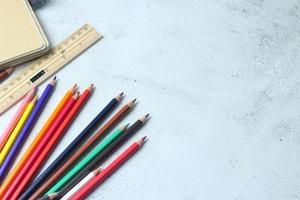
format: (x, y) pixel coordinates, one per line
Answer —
(76, 171)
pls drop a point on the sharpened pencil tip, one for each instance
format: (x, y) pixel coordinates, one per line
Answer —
(91, 87)
(144, 119)
(53, 196)
(74, 88)
(97, 171)
(34, 100)
(76, 95)
(132, 103)
(32, 92)
(119, 97)
(124, 127)
(53, 81)
(142, 141)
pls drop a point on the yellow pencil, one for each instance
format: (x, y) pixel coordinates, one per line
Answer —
(17, 130)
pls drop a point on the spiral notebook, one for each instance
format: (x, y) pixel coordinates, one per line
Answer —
(21, 36)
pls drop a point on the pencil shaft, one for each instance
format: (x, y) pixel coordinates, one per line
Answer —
(16, 118)
(90, 186)
(77, 154)
(52, 143)
(98, 149)
(78, 186)
(16, 131)
(27, 127)
(113, 147)
(89, 129)
(20, 165)
(36, 153)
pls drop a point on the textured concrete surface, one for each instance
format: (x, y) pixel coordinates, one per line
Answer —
(221, 79)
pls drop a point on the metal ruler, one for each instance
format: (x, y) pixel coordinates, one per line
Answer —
(44, 67)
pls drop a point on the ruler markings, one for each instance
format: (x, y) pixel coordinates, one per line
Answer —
(45, 67)
(36, 65)
(28, 74)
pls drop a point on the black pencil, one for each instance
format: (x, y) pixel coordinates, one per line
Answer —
(84, 135)
(104, 155)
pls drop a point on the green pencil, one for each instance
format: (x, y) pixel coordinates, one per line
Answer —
(88, 158)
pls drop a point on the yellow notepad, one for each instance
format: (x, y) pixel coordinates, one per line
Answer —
(21, 36)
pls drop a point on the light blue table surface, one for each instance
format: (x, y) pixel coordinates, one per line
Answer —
(220, 78)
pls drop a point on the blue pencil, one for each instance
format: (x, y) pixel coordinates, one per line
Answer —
(27, 127)
(76, 143)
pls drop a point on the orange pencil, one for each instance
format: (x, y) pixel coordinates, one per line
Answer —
(11, 177)
(39, 149)
(52, 143)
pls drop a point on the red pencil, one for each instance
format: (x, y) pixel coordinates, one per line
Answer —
(53, 141)
(36, 153)
(100, 178)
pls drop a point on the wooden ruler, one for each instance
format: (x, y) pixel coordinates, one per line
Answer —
(46, 66)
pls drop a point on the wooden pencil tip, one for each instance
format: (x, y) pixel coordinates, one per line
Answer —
(97, 171)
(73, 88)
(142, 141)
(76, 95)
(91, 87)
(124, 127)
(145, 118)
(120, 96)
(53, 195)
(53, 81)
(34, 100)
(32, 91)
(132, 103)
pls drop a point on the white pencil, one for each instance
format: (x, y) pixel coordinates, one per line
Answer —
(81, 183)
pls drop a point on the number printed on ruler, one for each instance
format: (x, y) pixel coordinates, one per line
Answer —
(46, 66)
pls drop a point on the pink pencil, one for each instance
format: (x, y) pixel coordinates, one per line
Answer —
(16, 118)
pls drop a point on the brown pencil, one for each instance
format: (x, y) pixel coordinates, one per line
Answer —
(89, 144)
(5, 73)
(104, 155)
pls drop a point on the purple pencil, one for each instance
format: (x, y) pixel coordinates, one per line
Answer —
(27, 127)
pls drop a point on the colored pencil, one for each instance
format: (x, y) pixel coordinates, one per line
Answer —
(53, 142)
(16, 118)
(20, 165)
(27, 127)
(84, 181)
(49, 197)
(106, 172)
(36, 153)
(78, 141)
(17, 130)
(5, 73)
(89, 143)
(87, 159)
(112, 148)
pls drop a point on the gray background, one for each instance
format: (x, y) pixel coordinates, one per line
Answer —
(220, 79)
